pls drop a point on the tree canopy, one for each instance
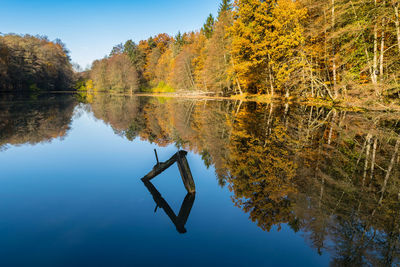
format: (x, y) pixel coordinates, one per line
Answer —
(34, 63)
(312, 49)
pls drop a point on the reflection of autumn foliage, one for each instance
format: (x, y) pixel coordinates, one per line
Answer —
(332, 174)
(344, 201)
(261, 170)
(41, 119)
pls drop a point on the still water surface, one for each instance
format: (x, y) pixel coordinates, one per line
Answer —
(276, 184)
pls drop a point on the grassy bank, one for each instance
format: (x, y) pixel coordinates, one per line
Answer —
(161, 87)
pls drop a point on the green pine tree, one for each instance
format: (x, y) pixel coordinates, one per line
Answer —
(208, 27)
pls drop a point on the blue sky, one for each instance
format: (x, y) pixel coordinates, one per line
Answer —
(90, 28)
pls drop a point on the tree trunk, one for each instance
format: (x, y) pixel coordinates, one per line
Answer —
(237, 79)
(381, 66)
(397, 23)
(312, 79)
(270, 76)
(333, 50)
(238, 85)
(326, 54)
(375, 60)
(189, 75)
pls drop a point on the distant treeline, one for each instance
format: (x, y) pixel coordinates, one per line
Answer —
(311, 48)
(33, 63)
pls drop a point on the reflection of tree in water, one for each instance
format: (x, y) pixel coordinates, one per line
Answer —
(331, 174)
(120, 112)
(260, 170)
(349, 166)
(34, 118)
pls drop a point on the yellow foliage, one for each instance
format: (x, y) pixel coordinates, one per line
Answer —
(266, 37)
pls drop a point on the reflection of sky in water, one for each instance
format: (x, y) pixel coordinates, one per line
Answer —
(81, 201)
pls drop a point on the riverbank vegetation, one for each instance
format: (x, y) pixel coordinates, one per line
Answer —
(333, 50)
(34, 63)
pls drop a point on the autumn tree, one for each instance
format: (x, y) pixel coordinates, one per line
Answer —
(225, 6)
(137, 58)
(216, 74)
(183, 69)
(116, 50)
(115, 73)
(34, 63)
(266, 41)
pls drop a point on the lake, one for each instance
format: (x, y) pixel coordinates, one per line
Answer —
(276, 184)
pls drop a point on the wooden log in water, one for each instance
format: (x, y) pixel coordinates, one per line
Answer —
(160, 167)
(186, 174)
(184, 169)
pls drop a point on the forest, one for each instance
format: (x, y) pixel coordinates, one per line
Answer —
(33, 63)
(307, 48)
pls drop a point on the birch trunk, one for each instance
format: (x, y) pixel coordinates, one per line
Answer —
(312, 79)
(381, 66)
(397, 23)
(270, 76)
(333, 48)
(375, 60)
(237, 79)
(238, 85)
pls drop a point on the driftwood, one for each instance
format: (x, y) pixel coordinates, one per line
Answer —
(184, 169)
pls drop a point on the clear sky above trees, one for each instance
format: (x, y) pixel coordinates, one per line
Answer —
(91, 27)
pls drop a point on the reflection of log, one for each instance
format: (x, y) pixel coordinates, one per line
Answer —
(180, 220)
(186, 207)
(187, 178)
(184, 169)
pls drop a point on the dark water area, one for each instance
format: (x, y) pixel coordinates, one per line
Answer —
(275, 184)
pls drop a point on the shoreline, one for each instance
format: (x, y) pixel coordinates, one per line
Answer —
(349, 103)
